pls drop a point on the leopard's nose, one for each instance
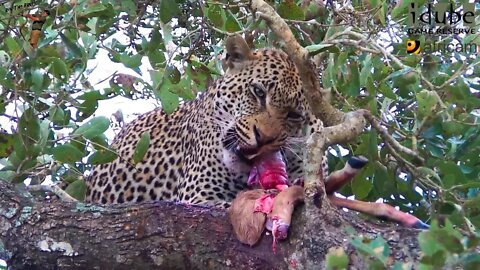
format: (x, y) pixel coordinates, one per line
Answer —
(261, 138)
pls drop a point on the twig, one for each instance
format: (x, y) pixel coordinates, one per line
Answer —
(60, 193)
(314, 22)
(390, 140)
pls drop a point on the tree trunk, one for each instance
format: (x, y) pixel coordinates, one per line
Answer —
(165, 235)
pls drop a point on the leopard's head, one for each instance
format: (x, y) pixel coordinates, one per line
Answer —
(260, 99)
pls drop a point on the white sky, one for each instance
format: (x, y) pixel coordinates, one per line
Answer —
(130, 108)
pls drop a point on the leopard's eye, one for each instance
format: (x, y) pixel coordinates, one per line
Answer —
(258, 91)
(294, 116)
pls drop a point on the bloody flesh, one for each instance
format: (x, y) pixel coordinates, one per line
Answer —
(270, 172)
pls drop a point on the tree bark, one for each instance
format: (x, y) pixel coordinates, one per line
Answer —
(165, 235)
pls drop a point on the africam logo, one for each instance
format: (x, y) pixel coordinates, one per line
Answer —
(414, 47)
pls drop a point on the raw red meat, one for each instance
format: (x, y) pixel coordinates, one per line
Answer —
(270, 172)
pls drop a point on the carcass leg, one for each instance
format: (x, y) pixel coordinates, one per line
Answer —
(381, 210)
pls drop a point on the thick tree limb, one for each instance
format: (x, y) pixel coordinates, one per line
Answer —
(162, 235)
(319, 141)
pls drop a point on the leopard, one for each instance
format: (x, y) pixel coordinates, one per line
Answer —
(202, 153)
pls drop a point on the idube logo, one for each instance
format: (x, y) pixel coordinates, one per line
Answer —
(442, 19)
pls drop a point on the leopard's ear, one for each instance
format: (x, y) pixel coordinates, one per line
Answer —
(238, 52)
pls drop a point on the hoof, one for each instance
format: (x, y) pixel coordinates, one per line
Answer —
(357, 162)
(282, 232)
(421, 225)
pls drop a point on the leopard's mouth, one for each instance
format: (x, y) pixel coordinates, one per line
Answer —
(248, 152)
(251, 153)
(245, 152)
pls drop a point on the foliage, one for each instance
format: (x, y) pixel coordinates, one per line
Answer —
(428, 102)
(441, 248)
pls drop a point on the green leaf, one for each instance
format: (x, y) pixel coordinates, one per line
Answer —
(156, 42)
(329, 78)
(6, 144)
(7, 175)
(361, 186)
(157, 59)
(97, 10)
(216, 15)
(67, 153)
(37, 79)
(12, 46)
(133, 61)
(378, 248)
(398, 73)
(142, 147)
(168, 10)
(44, 134)
(289, 10)
(467, 186)
(56, 115)
(162, 91)
(58, 68)
(440, 239)
(232, 24)
(173, 74)
(130, 7)
(184, 89)
(352, 80)
(373, 145)
(472, 261)
(386, 90)
(381, 178)
(29, 127)
(93, 128)
(77, 190)
(402, 266)
(102, 156)
(99, 142)
(199, 74)
(427, 102)
(168, 99)
(380, 10)
(317, 48)
(366, 72)
(336, 259)
(72, 46)
(334, 29)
